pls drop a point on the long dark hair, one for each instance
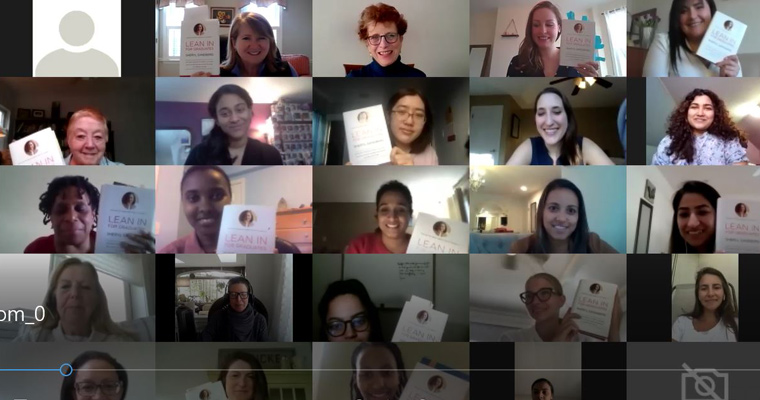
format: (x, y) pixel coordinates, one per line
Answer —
(400, 370)
(67, 387)
(356, 288)
(527, 55)
(578, 240)
(727, 310)
(676, 37)
(677, 243)
(215, 146)
(260, 387)
(423, 141)
(570, 153)
(680, 132)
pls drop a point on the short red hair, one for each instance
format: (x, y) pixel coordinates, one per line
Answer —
(381, 13)
(91, 112)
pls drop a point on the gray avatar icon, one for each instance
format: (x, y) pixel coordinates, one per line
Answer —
(77, 29)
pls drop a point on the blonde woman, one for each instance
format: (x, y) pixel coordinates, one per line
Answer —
(76, 309)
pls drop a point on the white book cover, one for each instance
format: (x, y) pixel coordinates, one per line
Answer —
(577, 44)
(435, 235)
(420, 323)
(247, 229)
(737, 227)
(199, 50)
(123, 210)
(367, 136)
(594, 302)
(39, 148)
(207, 391)
(722, 39)
(434, 381)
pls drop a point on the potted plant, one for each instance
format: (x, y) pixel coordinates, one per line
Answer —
(647, 25)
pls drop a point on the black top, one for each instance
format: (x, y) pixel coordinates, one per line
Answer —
(397, 69)
(256, 153)
(541, 155)
(220, 328)
(562, 71)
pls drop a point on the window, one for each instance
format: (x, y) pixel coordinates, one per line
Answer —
(273, 14)
(171, 33)
(617, 45)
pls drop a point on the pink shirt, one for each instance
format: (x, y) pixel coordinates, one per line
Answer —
(368, 243)
(427, 157)
(185, 245)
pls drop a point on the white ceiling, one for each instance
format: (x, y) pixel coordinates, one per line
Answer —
(524, 91)
(497, 280)
(359, 184)
(262, 90)
(506, 180)
(726, 180)
(207, 260)
(477, 6)
(740, 95)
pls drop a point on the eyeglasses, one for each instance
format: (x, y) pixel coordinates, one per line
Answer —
(242, 295)
(389, 38)
(543, 295)
(88, 389)
(359, 323)
(416, 116)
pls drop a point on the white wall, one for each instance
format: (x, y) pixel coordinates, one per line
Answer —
(168, 204)
(603, 190)
(23, 280)
(662, 211)
(482, 27)
(296, 23)
(22, 187)
(659, 106)
(436, 41)
(506, 48)
(457, 97)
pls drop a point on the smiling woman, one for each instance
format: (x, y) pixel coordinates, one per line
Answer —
(713, 318)
(87, 137)
(393, 210)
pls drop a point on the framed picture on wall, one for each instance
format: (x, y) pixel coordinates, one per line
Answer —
(515, 131)
(223, 14)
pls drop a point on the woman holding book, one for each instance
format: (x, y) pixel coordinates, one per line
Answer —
(243, 377)
(411, 126)
(382, 29)
(347, 314)
(538, 56)
(378, 371)
(228, 142)
(713, 318)
(701, 132)
(544, 297)
(674, 53)
(695, 208)
(561, 224)
(76, 309)
(558, 142)
(393, 211)
(70, 204)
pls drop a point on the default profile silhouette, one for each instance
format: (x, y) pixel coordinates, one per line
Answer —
(77, 29)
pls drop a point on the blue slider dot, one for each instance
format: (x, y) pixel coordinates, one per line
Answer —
(62, 369)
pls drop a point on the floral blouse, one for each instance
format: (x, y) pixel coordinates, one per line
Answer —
(708, 150)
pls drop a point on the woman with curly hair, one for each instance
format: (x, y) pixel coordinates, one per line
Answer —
(700, 132)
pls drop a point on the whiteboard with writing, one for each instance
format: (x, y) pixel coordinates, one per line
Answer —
(392, 279)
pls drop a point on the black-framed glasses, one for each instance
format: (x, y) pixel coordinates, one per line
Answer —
(89, 389)
(336, 327)
(389, 38)
(242, 295)
(417, 116)
(543, 295)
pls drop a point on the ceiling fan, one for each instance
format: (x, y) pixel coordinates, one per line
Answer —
(583, 83)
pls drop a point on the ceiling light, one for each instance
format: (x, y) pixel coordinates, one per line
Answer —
(755, 111)
(524, 188)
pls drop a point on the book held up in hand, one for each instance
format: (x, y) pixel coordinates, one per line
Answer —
(367, 136)
(722, 39)
(433, 235)
(594, 302)
(39, 148)
(577, 44)
(419, 322)
(123, 210)
(737, 226)
(431, 380)
(247, 229)
(199, 50)
(207, 391)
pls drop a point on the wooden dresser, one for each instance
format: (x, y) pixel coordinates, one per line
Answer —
(294, 225)
(636, 58)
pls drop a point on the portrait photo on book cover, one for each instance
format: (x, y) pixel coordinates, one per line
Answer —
(247, 218)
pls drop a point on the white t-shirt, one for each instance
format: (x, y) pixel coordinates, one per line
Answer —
(683, 331)
(531, 335)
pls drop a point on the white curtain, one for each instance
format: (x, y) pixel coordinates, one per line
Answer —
(283, 326)
(615, 21)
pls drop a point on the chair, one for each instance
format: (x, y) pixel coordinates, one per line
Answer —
(350, 67)
(186, 324)
(285, 247)
(299, 62)
(221, 304)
